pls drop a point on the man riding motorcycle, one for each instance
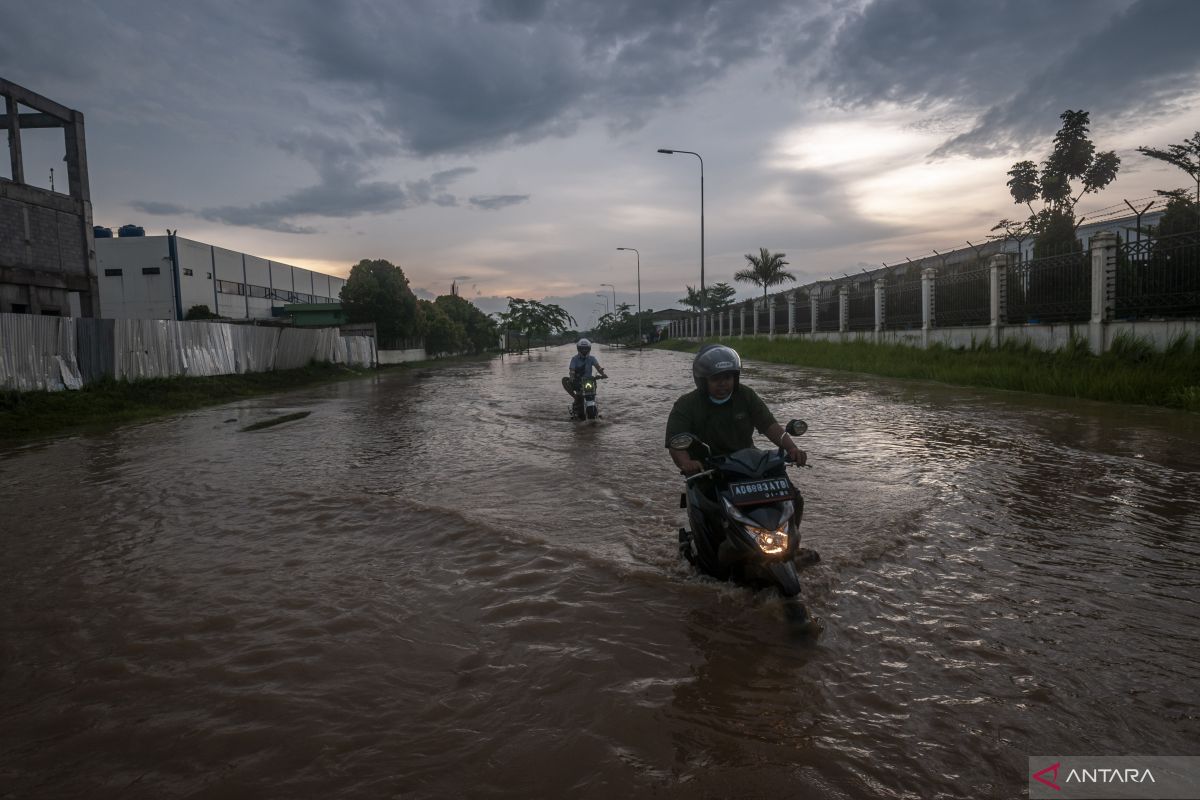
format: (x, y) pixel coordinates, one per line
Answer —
(581, 366)
(722, 412)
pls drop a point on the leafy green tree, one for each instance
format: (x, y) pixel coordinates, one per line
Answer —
(765, 270)
(719, 295)
(1186, 156)
(1074, 158)
(693, 300)
(378, 292)
(531, 318)
(200, 312)
(443, 335)
(479, 328)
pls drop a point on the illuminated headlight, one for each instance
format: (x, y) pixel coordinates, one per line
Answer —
(770, 542)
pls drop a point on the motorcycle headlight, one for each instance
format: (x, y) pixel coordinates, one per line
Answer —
(770, 542)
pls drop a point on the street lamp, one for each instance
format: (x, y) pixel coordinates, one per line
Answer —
(639, 285)
(609, 285)
(697, 155)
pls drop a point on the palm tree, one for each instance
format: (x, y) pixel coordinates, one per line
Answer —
(766, 270)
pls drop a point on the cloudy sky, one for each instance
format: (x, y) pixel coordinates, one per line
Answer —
(511, 144)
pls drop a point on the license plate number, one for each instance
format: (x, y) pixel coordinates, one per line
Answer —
(767, 490)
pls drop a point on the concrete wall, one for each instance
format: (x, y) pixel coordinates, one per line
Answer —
(47, 264)
(128, 287)
(196, 285)
(230, 283)
(401, 356)
(258, 287)
(1159, 333)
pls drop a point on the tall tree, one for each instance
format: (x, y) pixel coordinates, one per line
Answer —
(1186, 156)
(479, 327)
(442, 334)
(720, 295)
(378, 292)
(531, 318)
(1074, 158)
(765, 270)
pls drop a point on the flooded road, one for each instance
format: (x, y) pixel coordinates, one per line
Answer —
(436, 585)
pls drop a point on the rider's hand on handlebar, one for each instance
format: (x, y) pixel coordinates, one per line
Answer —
(690, 466)
(797, 456)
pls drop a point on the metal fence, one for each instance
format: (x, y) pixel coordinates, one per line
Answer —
(53, 353)
(1159, 277)
(963, 298)
(1054, 289)
(829, 312)
(860, 303)
(902, 304)
(804, 316)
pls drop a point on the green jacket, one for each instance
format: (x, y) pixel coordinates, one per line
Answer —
(726, 427)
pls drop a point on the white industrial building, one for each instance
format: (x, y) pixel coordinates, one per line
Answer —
(161, 277)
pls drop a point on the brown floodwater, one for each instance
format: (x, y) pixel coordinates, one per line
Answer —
(436, 585)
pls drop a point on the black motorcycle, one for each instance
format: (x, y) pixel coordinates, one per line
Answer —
(585, 406)
(745, 515)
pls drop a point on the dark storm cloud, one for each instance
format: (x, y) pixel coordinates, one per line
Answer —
(456, 77)
(493, 202)
(342, 165)
(929, 51)
(1129, 72)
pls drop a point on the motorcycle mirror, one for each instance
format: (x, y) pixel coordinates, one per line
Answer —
(681, 441)
(797, 427)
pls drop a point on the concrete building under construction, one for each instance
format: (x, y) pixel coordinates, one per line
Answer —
(47, 253)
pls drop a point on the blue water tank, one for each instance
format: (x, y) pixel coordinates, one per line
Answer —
(101, 232)
(131, 230)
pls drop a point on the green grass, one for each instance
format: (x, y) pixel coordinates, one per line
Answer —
(1131, 372)
(105, 404)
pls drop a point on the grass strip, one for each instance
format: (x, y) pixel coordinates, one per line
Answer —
(1132, 371)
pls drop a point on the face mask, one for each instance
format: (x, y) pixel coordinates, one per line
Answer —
(717, 402)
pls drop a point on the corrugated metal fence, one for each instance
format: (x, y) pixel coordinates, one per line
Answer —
(54, 353)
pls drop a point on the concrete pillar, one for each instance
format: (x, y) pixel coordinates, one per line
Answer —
(771, 318)
(1104, 279)
(730, 311)
(814, 300)
(791, 301)
(880, 294)
(927, 311)
(741, 320)
(844, 307)
(998, 269)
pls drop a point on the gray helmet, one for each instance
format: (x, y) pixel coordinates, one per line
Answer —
(583, 346)
(713, 359)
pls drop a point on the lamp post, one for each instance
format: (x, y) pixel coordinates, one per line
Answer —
(609, 285)
(697, 155)
(639, 285)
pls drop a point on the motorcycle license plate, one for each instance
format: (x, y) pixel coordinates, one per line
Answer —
(767, 490)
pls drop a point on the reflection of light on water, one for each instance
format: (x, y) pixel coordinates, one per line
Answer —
(440, 552)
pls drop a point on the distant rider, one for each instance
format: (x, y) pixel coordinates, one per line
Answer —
(581, 367)
(722, 412)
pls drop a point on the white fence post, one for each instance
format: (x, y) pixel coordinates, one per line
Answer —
(1104, 274)
(814, 299)
(771, 318)
(843, 308)
(997, 280)
(927, 311)
(880, 288)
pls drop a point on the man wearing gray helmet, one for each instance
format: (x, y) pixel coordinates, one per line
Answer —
(722, 412)
(581, 367)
